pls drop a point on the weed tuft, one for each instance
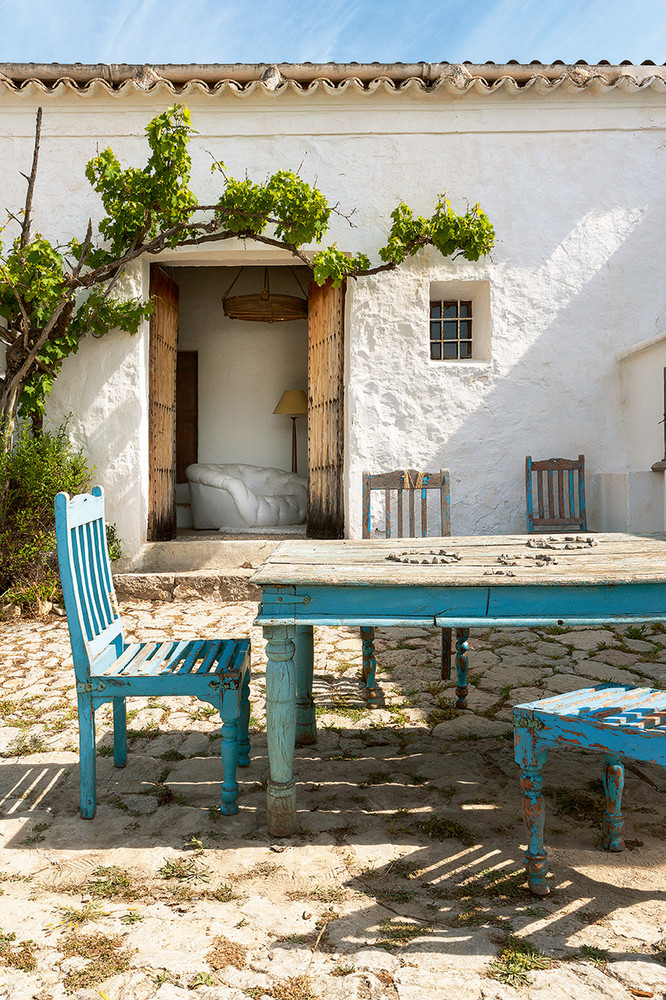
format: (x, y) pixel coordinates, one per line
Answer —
(106, 955)
(398, 933)
(224, 952)
(516, 960)
(185, 870)
(438, 828)
(20, 956)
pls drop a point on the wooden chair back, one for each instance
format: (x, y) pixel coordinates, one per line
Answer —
(555, 494)
(95, 627)
(407, 513)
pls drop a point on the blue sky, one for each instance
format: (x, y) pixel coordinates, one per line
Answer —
(210, 31)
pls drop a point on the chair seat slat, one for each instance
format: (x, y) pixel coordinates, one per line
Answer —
(131, 659)
(196, 651)
(167, 654)
(219, 660)
(210, 661)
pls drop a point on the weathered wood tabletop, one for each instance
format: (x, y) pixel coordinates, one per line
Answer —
(499, 581)
(511, 560)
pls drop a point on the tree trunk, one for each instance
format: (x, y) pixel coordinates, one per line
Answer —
(9, 399)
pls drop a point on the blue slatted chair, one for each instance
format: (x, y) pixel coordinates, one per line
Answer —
(617, 720)
(108, 669)
(559, 486)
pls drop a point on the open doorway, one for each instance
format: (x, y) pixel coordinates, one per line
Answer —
(243, 482)
(230, 375)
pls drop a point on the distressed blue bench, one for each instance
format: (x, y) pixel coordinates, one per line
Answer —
(107, 669)
(616, 720)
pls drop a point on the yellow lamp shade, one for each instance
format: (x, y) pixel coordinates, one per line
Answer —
(292, 403)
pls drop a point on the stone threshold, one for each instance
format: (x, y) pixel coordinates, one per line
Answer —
(188, 585)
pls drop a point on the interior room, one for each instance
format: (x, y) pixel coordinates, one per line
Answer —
(242, 356)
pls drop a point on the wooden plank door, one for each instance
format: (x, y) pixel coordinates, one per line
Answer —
(325, 411)
(162, 407)
(187, 412)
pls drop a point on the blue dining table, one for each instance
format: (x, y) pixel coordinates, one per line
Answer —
(503, 581)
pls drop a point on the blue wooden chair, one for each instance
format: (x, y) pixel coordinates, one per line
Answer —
(617, 720)
(108, 669)
(559, 486)
(407, 514)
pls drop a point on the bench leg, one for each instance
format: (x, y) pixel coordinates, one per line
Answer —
(613, 778)
(119, 732)
(229, 792)
(531, 759)
(87, 761)
(462, 646)
(369, 664)
(244, 722)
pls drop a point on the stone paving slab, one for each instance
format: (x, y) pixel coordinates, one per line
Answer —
(404, 881)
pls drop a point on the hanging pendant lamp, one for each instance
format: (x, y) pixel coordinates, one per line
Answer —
(263, 307)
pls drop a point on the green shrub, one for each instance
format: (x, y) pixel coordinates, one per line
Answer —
(30, 476)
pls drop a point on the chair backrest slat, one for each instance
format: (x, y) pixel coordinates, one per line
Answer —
(87, 582)
(542, 512)
(87, 579)
(561, 500)
(399, 489)
(560, 491)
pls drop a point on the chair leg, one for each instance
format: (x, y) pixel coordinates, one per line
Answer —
(462, 645)
(119, 732)
(369, 664)
(244, 722)
(447, 643)
(229, 792)
(613, 823)
(87, 760)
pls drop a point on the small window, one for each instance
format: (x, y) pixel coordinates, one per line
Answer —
(450, 330)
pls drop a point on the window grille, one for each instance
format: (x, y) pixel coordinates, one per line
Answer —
(450, 329)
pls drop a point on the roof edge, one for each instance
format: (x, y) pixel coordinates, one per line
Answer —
(115, 75)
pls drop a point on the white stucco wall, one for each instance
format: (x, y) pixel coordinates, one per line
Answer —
(243, 367)
(573, 182)
(102, 393)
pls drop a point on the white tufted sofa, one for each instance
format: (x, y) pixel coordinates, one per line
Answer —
(242, 497)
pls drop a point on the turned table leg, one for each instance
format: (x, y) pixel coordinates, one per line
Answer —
(281, 728)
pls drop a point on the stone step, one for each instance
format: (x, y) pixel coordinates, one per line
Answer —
(212, 555)
(233, 585)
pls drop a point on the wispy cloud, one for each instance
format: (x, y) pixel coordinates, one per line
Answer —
(183, 31)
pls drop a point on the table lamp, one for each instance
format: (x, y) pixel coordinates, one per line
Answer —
(293, 402)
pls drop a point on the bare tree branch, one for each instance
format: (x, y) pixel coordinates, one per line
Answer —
(27, 214)
(84, 250)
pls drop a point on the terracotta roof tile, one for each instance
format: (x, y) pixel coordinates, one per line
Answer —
(244, 79)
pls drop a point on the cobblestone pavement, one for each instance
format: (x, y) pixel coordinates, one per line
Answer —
(404, 880)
